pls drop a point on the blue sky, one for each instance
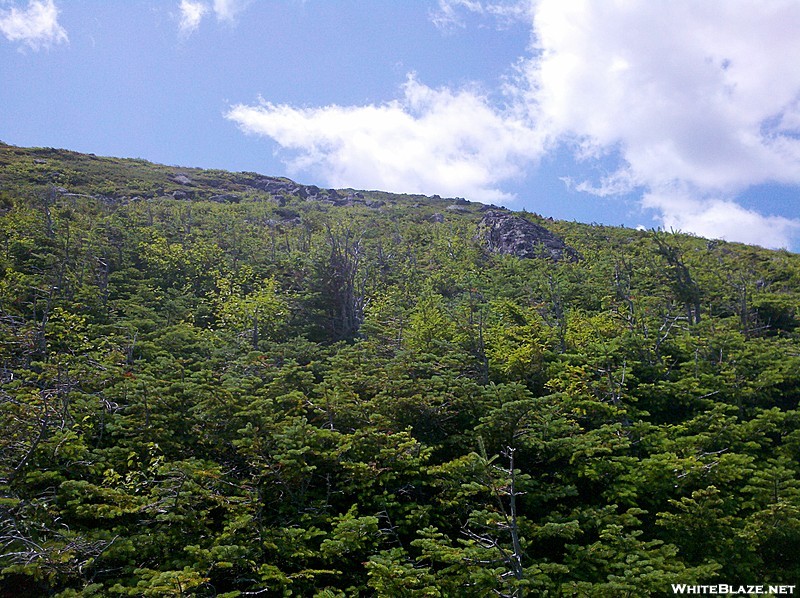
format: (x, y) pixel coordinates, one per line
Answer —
(680, 114)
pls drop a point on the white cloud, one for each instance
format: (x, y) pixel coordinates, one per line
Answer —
(720, 219)
(700, 95)
(226, 10)
(448, 13)
(429, 141)
(35, 26)
(191, 14)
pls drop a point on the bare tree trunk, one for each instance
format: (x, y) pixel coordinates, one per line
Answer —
(346, 282)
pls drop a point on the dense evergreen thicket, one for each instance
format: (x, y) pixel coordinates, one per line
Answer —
(219, 384)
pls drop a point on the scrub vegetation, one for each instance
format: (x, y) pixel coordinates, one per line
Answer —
(225, 384)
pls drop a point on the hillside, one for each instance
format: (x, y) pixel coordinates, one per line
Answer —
(229, 384)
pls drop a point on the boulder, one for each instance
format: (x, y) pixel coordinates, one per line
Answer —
(509, 234)
(182, 179)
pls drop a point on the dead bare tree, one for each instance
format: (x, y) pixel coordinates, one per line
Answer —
(346, 280)
(502, 484)
(685, 288)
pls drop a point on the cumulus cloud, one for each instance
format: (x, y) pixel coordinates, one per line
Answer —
(699, 95)
(719, 218)
(428, 141)
(695, 102)
(35, 26)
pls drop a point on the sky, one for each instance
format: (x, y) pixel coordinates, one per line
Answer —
(675, 114)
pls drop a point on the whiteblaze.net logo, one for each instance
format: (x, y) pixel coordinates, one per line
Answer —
(732, 590)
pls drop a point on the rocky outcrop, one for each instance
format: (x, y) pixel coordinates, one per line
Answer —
(280, 189)
(277, 188)
(182, 179)
(508, 234)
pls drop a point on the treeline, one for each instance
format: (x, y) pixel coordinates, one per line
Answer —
(263, 394)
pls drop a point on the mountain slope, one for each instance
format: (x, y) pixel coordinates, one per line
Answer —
(224, 384)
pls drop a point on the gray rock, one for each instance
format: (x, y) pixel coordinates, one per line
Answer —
(182, 179)
(508, 234)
